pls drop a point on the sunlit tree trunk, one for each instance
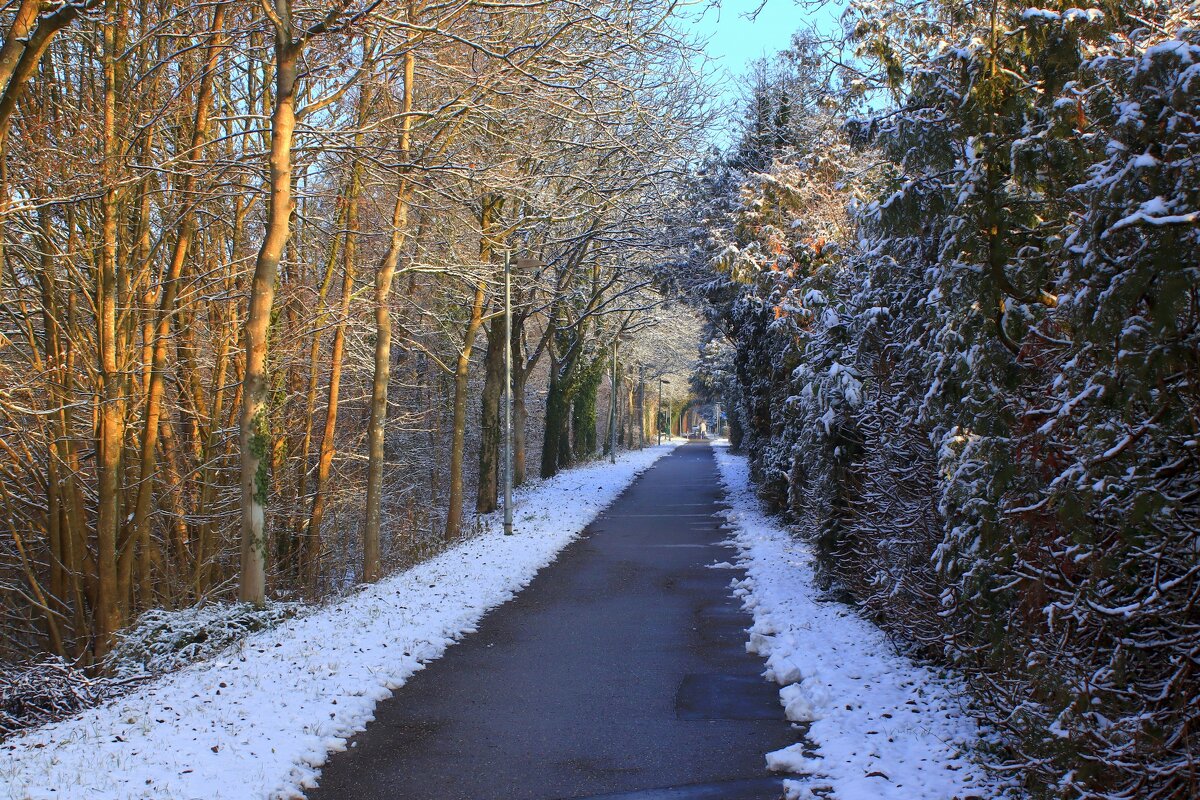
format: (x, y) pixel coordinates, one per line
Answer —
(111, 433)
(255, 435)
(17, 38)
(26, 50)
(377, 427)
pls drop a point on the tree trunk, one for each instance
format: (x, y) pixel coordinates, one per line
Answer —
(459, 429)
(490, 420)
(52, 344)
(583, 410)
(17, 38)
(111, 433)
(32, 46)
(641, 408)
(376, 430)
(255, 434)
(522, 366)
(489, 207)
(520, 419)
(558, 406)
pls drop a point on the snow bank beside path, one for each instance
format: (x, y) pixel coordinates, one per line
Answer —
(884, 727)
(258, 720)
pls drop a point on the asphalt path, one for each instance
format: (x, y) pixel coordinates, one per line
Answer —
(620, 673)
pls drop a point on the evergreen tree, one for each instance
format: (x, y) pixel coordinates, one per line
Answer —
(965, 333)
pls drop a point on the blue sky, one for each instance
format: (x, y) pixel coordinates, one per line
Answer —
(734, 41)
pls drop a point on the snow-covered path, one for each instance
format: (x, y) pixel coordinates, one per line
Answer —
(258, 721)
(881, 726)
(620, 673)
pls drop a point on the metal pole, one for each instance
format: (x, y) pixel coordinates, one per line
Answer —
(612, 417)
(508, 432)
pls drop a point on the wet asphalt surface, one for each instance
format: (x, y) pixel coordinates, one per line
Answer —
(619, 673)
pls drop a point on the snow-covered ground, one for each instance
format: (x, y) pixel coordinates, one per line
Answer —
(883, 727)
(258, 720)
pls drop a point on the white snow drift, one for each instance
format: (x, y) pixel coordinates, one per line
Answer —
(881, 727)
(258, 720)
